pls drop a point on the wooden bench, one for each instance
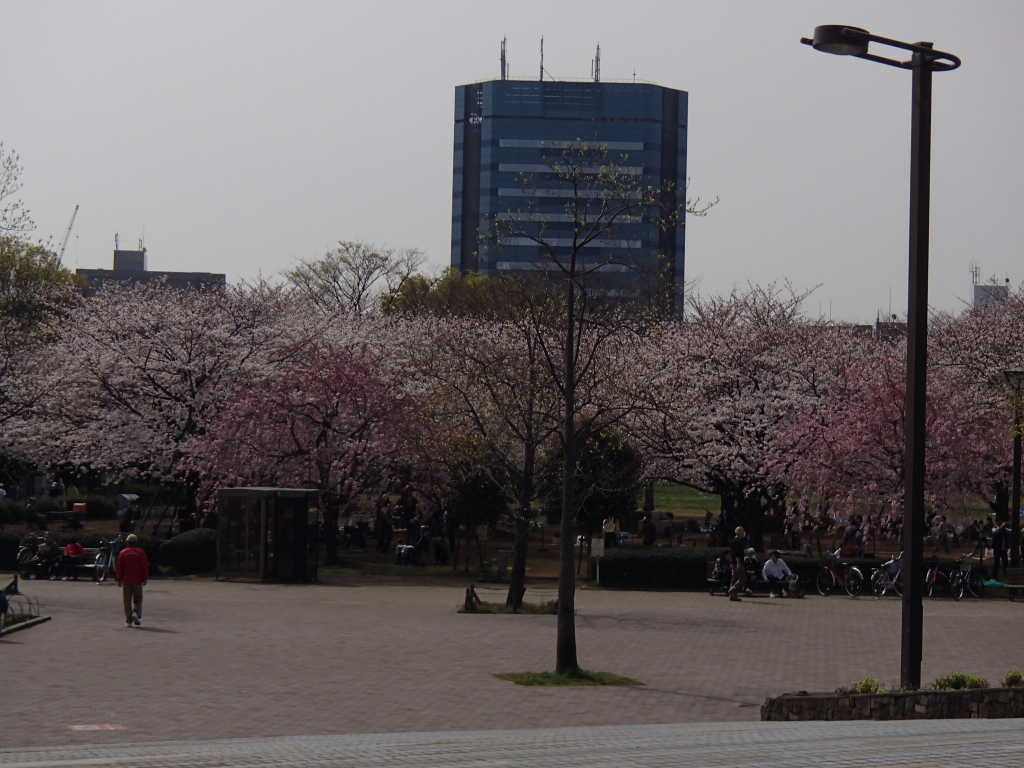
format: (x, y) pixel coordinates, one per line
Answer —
(1014, 578)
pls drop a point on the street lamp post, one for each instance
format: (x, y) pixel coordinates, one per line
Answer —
(1016, 380)
(854, 41)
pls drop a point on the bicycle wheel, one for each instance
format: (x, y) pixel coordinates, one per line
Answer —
(826, 582)
(25, 565)
(897, 584)
(878, 583)
(854, 582)
(937, 584)
(100, 571)
(976, 585)
(957, 586)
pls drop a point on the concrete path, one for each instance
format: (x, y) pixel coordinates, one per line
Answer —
(935, 744)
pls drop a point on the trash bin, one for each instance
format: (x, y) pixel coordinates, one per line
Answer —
(503, 558)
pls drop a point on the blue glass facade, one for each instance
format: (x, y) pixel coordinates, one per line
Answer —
(507, 128)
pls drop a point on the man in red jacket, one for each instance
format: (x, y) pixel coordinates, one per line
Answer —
(132, 575)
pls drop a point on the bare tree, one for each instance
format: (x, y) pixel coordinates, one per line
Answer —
(15, 218)
(586, 246)
(354, 276)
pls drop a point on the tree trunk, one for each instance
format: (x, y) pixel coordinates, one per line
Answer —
(565, 655)
(649, 496)
(330, 533)
(1000, 505)
(753, 514)
(517, 586)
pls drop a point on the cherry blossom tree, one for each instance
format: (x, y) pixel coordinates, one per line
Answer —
(332, 421)
(973, 348)
(852, 449)
(141, 371)
(725, 380)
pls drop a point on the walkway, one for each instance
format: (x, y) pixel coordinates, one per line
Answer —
(935, 744)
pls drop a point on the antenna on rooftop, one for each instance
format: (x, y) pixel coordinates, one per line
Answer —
(504, 63)
(975, 273)
(117, 242)
(542, 58)
(596, 65)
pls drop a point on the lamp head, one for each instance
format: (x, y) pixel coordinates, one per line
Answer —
(830, 38)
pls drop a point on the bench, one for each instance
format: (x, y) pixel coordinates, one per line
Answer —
(1014, 578)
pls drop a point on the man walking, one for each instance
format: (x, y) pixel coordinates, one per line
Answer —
(1000, 546)
(132, 575)
(739, 573)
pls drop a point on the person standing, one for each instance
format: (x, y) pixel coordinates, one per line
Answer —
(132, 575)
(739, 573)
(1000, 547)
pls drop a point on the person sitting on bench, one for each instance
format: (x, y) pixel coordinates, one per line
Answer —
(777, 574)
(74, 555)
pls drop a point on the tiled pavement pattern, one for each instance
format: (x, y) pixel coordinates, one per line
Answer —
(989, 743)
(226, 661)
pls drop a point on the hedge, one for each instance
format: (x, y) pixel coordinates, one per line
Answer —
(194, 551)
(96, 507)
(687, 567)
(191, 552)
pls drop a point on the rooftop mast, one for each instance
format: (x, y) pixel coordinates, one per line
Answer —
(504, 63)
(542, 58)
(597, 65)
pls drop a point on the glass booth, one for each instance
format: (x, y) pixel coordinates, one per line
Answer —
(268, 534)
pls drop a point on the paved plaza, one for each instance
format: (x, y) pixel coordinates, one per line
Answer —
(221, 661)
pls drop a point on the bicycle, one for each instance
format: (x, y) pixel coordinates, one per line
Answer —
(888, 577)
(106, 559)
(966, 579)
(28, 562)
(936, 583)
(831, 576)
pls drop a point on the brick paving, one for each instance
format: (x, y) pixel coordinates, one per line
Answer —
(245, 661)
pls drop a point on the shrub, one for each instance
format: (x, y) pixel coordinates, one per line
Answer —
(867, 685)
(692, 526)
(194, 551)
(1012, 679)
(957, 681)
(11, 512)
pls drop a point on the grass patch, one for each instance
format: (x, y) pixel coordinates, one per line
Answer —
(549, 608)
(579, 677)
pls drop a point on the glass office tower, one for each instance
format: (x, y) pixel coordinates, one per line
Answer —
(507, 129)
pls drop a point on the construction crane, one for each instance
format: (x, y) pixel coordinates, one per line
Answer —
(67, 236)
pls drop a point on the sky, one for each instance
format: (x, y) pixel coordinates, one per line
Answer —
(238, 137)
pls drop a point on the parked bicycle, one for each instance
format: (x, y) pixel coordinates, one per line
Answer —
(888, 578)
(936, 583)
(27, 551)
(837, 574)
(106, 559)
(966, 579)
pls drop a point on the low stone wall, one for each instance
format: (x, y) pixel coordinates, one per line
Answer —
(916, 705)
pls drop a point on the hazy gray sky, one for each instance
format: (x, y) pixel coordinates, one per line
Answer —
(246, 135)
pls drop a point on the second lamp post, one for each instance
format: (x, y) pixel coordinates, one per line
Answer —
(853, 41)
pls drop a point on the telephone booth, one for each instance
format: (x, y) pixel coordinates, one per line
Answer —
(269, 534)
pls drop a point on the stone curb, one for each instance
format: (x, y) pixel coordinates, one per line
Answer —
(25, 625)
